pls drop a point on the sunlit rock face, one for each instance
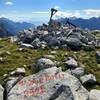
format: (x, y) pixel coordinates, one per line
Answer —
(48, 84)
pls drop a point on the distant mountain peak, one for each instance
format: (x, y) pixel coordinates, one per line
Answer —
(73, 18)
(12, 27)
(91, 23)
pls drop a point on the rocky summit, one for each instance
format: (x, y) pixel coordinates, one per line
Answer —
(60, 37)
(50, 62)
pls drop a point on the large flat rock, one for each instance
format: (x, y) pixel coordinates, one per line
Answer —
(49, 84)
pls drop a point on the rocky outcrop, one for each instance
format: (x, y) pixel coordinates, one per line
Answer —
(1, 92)
(11, 82)
(63, 37)
(78, 72)
(38, 44)
(74, 43)
(71, 63)
(94, 94)
(88, 79)
(49, 84)
(98, 56)
(44, 63)
(18, 71)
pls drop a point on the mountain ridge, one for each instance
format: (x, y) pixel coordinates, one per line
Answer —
(11, 27)
(92, 23)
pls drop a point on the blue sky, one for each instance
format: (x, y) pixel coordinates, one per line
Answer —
(39, 10)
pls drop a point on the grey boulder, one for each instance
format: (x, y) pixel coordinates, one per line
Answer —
(74, 43)
(18, 71)
(97, 44)
(88, 79)
(78, 72)
(49, 84)
(94, 94)
(11, 82)
(36, 43)
(54, 42)
(98, 56)
(39, 44)
(1, 92)
(45, 63)
(71, 63)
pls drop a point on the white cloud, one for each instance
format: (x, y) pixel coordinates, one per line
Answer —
(68, 14)
(45, 15)
(2, 15)
(60, 13)
(9, 3)
(57, 7)
(92, 12)
(41, 12)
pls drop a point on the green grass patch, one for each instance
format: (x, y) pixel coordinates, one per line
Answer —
(28, 57)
